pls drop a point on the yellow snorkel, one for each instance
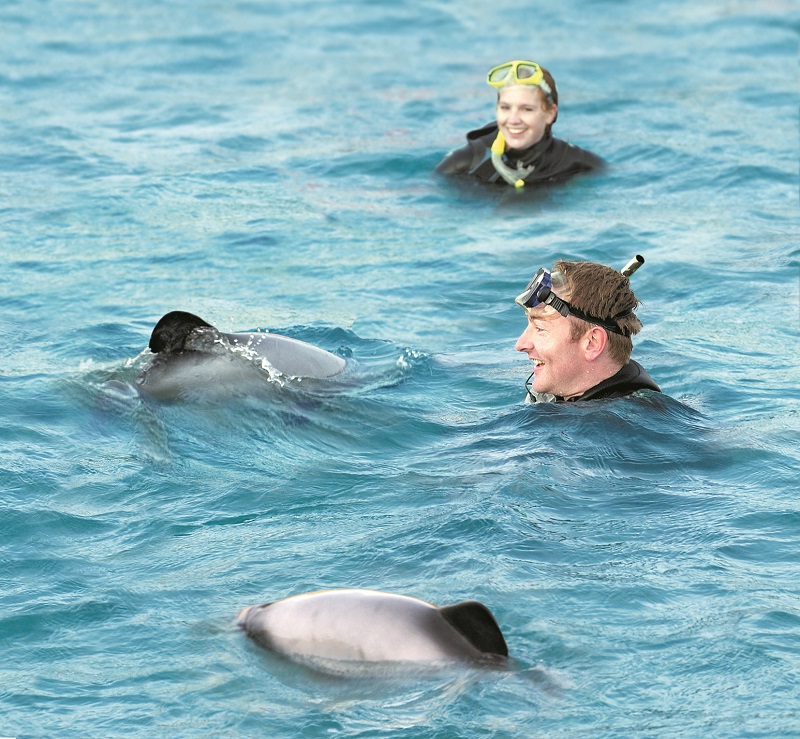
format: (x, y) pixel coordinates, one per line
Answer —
(509, 174)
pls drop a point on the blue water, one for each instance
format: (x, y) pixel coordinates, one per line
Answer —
(267, 165)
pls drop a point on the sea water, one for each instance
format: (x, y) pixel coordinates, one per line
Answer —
(268, 165)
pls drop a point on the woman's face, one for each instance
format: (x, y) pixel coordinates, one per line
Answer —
(522, 116)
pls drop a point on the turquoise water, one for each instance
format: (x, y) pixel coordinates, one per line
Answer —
(267, 165)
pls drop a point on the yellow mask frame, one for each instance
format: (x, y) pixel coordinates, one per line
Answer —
(509, 74)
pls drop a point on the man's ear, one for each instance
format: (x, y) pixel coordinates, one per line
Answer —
(594, 342)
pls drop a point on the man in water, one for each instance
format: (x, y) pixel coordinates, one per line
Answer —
(580, 322)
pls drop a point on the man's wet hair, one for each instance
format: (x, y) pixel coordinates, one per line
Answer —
(603, 292)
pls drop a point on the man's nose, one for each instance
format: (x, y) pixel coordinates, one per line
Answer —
(525, 341)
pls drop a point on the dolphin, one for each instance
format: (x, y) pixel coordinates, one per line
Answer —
(190, 352)
(370, 626)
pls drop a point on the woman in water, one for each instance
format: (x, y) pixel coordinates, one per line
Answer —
(519, 147)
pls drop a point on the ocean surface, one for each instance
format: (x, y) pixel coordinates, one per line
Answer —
(267, 165)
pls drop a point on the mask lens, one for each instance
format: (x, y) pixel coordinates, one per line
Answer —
(529, 73)
(498, 75)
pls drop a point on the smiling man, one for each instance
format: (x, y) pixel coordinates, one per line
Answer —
(580, 322)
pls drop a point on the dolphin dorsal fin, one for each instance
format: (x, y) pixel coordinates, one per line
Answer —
(170, 333)
(475, 622)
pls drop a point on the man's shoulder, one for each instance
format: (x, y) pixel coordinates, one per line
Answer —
(630, 378)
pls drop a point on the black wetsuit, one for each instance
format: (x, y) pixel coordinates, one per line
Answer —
(552, 159)
(629, 379)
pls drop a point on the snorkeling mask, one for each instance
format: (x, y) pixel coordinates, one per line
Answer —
(519, 72)
(540, 292)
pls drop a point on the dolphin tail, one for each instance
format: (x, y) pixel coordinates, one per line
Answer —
(475, 622)
(172, 330)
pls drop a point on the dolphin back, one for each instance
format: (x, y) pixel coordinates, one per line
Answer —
(289, 356)
(177, 333)
(475, 622)
(369, 626)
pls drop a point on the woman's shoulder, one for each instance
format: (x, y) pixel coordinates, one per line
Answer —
(576, 155)
(470, 154)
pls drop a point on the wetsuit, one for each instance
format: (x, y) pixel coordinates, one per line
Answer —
(552, 159)
(629, 379)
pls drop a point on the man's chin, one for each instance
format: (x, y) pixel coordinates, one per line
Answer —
(539, 383)
(543, 389)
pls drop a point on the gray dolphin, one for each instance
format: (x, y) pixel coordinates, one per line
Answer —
(190, 351)
(357, 625)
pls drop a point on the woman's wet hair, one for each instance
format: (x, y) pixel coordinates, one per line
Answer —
(552, 99)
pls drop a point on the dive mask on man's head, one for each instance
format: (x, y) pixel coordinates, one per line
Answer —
(519, 72)
(540, 292)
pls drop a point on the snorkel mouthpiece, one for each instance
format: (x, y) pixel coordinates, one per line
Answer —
(499, 144)
(633, 265)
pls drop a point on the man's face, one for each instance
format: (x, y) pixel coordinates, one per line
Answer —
(559, 363)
